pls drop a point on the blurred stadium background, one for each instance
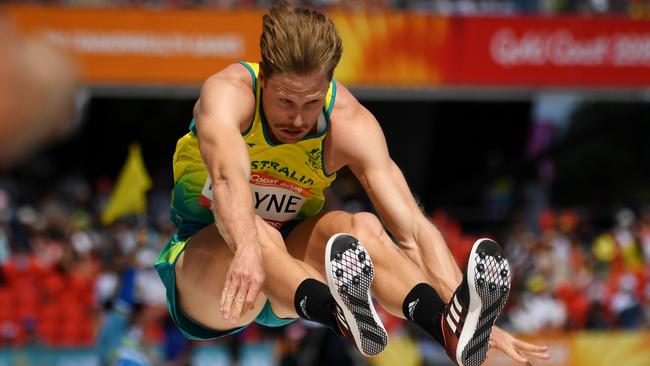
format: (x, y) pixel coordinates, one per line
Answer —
(523, 120)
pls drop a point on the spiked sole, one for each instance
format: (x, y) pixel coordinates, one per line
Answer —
(349, 273)
(488, 278)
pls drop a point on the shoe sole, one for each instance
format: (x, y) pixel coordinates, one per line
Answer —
(353, 297)
(488, 290)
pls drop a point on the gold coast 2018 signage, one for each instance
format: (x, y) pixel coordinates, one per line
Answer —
(183, 47)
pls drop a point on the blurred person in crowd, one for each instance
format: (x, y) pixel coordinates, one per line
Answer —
(5, 216)
(519, 246)
(176, 349)
(626, 304)
(131, 301)
(38, 85)
(538, 309)
(643, 233)
(251, 243)
(645, 296)
(120, 339)
(626, 240)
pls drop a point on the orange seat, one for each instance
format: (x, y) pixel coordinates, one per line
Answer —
(5, 294)
(86, 334)
(70, 334)
(26, 297)
(49, 312)
(50, 336)
(53, 283)
(6, 314)
(20, 340)
(27, 311)
(47, 328)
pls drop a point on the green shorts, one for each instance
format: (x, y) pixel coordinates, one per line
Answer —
(191, 329)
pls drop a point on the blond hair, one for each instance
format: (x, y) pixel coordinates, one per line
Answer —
(297, 40)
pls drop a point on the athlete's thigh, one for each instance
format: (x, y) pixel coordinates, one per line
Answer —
(308, 239)
(200, 276)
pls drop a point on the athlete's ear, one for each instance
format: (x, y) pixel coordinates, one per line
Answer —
(261, 77)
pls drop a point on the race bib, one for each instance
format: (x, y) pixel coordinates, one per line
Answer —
(275, 200)
(206, 198)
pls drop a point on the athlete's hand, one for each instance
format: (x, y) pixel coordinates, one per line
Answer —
(516, 349)
(243, 282)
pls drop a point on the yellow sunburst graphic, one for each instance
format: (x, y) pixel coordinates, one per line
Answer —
(608, 349)
(390, 48)
(560, 347)
(586, 349)
(401, 350)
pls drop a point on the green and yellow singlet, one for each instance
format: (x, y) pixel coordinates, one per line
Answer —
(287, 180)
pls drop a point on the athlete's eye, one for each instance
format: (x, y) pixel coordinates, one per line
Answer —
(313, 102)
(285, 101)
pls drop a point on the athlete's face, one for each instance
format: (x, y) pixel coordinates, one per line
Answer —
(292, 104)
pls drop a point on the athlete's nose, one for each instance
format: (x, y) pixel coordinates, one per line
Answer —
(297, 121)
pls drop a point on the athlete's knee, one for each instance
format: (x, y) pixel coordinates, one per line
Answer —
(270, 238)
(366, 225)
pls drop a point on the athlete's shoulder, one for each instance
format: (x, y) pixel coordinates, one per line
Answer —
(228, 94)
(236, 75)
(348, 113)
(351, 122)
(345, 101)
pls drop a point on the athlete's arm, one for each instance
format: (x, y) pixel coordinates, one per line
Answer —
(225, 104)
(361, 142)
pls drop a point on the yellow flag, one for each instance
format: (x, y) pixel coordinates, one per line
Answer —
(128, 196)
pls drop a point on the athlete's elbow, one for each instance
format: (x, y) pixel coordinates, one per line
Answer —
(230, 177)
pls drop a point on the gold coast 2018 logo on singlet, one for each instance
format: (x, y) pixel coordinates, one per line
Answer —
(277, 201)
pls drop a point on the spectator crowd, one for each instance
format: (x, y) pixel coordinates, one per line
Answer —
(65, 279)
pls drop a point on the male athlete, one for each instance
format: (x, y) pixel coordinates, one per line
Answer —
(252, 243)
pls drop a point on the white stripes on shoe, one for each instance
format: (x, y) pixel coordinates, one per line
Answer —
(454, 315)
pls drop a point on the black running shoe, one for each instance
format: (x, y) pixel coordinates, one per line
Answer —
(349, 274)
(468, 318)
